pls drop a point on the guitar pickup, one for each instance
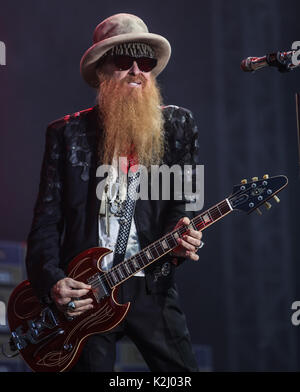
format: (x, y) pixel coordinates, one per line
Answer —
(99, 288)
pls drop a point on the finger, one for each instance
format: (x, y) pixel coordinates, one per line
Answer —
(66, 294)
(82, 308)
(183, 221)
(186, 221)
(192, 240)
(186, 245)
(195, 233)
(192, 256)
(62, 301)
(77, 312)
(77, 293)
(75, 284)
(59, 296)
(82, 303)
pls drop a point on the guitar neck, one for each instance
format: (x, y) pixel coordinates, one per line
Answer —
(164, 245)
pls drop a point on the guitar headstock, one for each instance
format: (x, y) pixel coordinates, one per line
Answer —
(249, 196)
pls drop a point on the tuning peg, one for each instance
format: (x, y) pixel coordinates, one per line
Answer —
(268, 205)
(276, 198)
(244, 181)
(254, 178)
(258, 211)
(266, 176)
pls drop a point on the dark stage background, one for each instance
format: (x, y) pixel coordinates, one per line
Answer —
(238, 297)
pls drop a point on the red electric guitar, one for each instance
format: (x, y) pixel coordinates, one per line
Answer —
(50, 342)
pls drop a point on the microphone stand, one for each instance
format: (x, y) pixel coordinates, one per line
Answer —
(280, 60)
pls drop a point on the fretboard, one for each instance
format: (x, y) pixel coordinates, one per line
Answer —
(164, 245)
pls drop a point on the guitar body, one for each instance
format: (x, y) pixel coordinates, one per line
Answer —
(46, 338)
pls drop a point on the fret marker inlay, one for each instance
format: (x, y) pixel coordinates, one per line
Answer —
(206, 218)
(148, 254)
(164, 244)
(127, 268)
(135, 264)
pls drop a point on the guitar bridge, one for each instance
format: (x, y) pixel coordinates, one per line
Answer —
(99, 287)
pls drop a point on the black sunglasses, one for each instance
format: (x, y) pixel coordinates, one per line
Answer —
(123, 63)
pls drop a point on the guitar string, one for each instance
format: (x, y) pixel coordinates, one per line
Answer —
(214, 212)
(139, 258)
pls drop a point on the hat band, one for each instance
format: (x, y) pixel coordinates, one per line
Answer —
(133, 49)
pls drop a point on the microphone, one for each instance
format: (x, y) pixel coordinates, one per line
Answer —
(283, 61)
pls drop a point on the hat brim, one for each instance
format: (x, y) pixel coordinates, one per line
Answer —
(90, 58)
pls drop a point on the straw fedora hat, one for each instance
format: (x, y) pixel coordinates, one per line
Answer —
(118, 29)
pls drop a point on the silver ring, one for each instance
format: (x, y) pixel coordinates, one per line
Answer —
(71, 305)
(200, 246)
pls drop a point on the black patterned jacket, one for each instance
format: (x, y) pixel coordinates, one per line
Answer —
(65, 220)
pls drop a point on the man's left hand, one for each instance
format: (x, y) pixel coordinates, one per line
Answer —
(189, 243)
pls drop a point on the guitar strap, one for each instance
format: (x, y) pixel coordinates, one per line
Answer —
(126, 219)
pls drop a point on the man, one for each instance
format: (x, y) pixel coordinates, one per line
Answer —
(128, 121)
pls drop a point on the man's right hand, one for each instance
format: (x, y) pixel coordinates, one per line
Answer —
(65, 290)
